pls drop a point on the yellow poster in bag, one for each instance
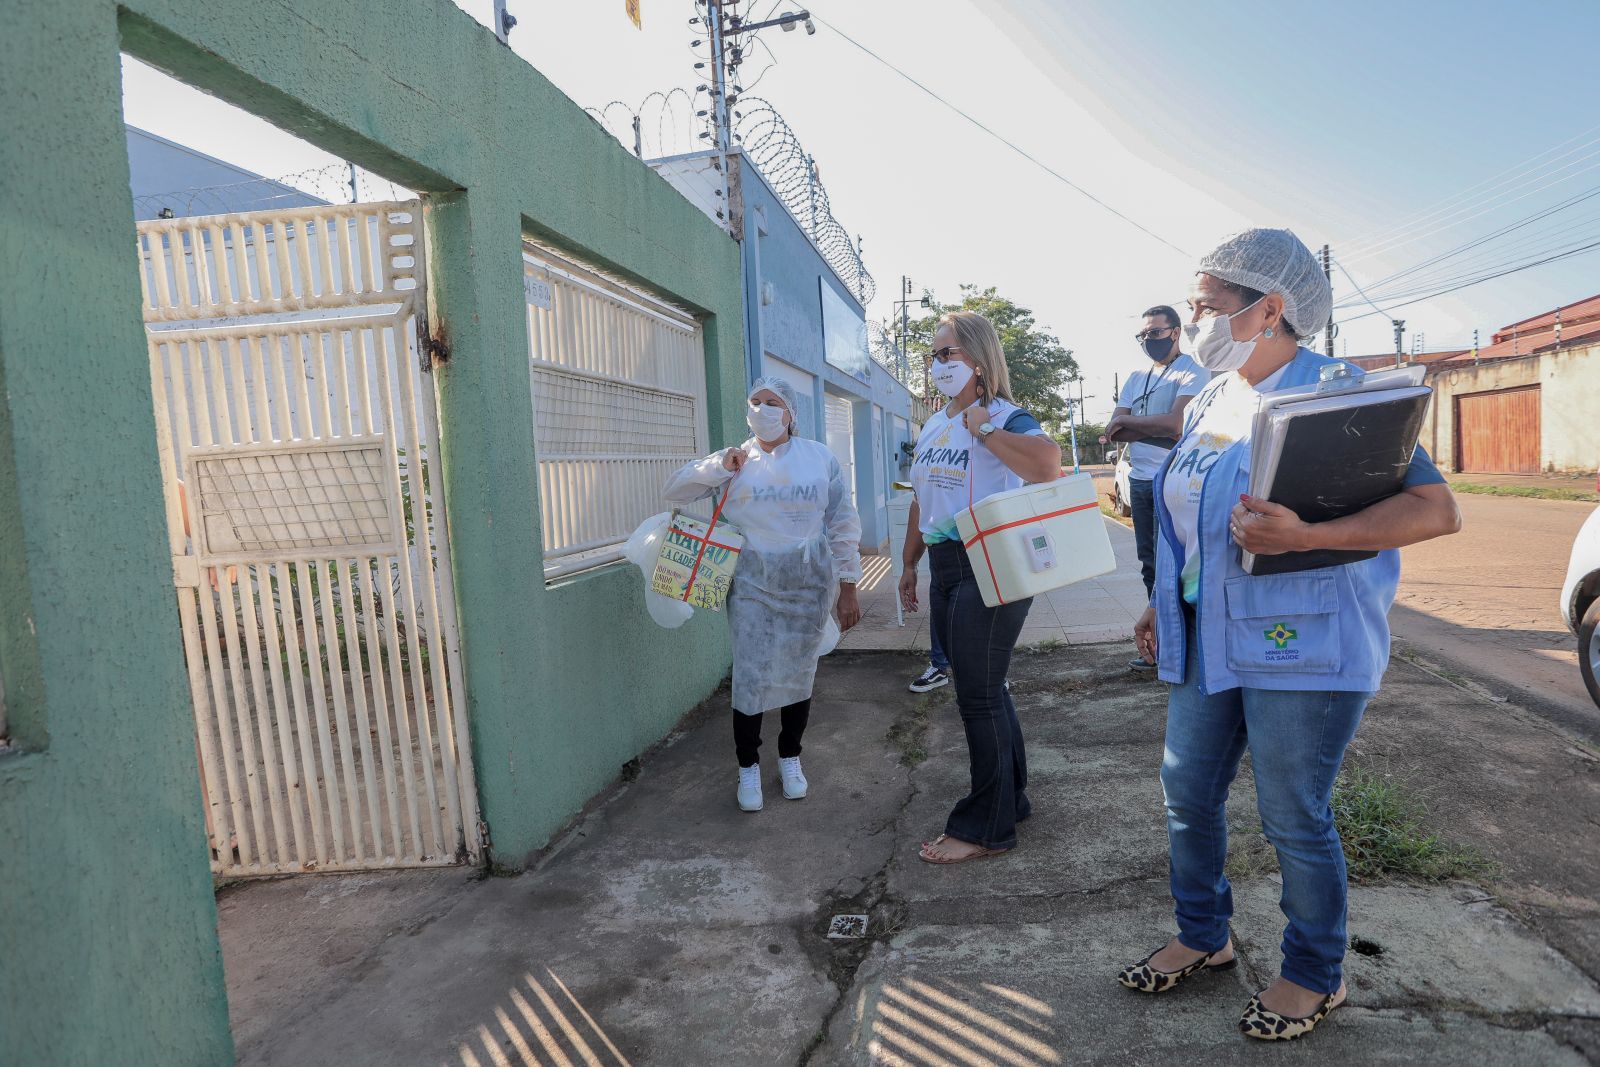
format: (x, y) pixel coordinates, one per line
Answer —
(696, 562)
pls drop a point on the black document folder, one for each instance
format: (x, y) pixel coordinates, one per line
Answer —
(1332, 456)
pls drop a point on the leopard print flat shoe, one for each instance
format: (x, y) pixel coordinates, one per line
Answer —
(1146, 979)
(1266, 1025)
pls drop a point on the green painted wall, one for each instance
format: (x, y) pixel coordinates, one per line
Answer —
(108, 950)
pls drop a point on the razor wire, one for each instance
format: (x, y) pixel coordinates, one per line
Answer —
(773, 147)
(664, 125)
(328, 184)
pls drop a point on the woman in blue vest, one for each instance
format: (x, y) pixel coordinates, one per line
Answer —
(1210, 628)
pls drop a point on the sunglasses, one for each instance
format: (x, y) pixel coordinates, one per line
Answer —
(1150, 335)
(943, 354)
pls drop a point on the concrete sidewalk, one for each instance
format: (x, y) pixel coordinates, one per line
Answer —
(670, 928)
(1092, 612)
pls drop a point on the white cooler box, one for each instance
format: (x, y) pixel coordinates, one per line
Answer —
(1037, 538)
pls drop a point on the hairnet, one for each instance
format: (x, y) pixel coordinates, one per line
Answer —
(1276, 261)
(785, 392)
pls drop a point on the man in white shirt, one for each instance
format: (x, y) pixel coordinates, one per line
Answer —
(1148, 421)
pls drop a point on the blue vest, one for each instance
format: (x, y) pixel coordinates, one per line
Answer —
(1325, 629)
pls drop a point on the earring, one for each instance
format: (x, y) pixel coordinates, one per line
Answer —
(1268, 332)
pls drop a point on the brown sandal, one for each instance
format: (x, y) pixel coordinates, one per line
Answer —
(982, 853)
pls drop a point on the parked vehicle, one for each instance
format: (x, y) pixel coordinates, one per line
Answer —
(1121, 497)
(1580, 601)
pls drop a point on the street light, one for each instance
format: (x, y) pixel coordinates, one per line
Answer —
(902, 304)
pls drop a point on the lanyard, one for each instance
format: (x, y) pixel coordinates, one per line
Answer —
(1150, 387)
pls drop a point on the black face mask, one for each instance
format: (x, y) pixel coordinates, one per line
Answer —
(1158, 349)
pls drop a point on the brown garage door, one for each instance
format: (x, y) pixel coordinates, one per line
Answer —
(1498, 433)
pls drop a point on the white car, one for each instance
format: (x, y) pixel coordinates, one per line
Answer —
(1580, 601)
(1121, 495)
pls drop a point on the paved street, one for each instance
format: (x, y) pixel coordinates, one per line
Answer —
(1483, 604)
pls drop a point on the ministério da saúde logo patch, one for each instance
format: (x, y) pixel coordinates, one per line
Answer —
(1281, 635)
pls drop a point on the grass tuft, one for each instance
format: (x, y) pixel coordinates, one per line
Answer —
(1535, 492)
(909, 733)
(1383, 833)
(1384, 838)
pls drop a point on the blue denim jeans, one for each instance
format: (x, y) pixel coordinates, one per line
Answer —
(1142, 501)
(978, 641)
(1296, 741)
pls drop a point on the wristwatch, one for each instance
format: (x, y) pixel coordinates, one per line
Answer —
(986, 429)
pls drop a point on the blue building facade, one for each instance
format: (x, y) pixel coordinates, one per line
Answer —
(806, 323)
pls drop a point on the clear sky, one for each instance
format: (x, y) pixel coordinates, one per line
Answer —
(1393, 131)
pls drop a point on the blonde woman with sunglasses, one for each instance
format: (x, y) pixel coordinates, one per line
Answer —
(979, 444)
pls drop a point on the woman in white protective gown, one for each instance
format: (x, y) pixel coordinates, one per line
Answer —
(801, 561)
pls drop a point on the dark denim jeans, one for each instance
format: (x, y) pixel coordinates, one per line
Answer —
(936, 654)
(978, 641)
(1297, 742)
(1142, 499)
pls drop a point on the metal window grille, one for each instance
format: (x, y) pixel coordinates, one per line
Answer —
(618, 381)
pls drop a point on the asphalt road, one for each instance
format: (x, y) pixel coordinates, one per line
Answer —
(1484, 605)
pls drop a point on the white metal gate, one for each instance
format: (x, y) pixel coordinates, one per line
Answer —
(296, 424)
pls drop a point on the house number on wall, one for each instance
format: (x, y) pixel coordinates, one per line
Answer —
(538, 292)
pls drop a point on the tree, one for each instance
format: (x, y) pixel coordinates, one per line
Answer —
(1040, 368)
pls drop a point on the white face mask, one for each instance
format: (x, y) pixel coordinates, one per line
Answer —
(1213, 343)
(766, 422)
(950, 377)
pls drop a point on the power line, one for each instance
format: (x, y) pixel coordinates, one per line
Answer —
(1363, 292)
(1488, 260)
(1359, 247)
(1005, 141)
(1537, 216)
(1487, 277)
(1453, 221)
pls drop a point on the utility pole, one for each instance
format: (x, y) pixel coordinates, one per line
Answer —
(1474, 347)
(1327, 333)
(719, 100)
(503, 21)
(904, 304)
(355, 192)
(905, 323)
(1399, 340)
(720, 35)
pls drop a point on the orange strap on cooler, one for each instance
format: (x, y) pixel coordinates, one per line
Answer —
(706, 541)
(982, 534)
(1024, 522)
(971, 510)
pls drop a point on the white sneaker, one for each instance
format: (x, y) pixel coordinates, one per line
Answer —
(794, 782)
(750, 788)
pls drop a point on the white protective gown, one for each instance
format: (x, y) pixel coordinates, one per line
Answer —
(802, 537)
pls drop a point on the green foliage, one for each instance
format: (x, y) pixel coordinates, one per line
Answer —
(1383, 834)
(1382, 828)
(1535, 492)
(1040, 367)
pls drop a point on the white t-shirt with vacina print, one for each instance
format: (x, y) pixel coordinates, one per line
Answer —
(946, 451)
